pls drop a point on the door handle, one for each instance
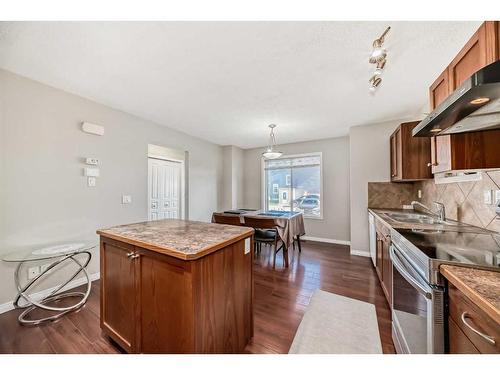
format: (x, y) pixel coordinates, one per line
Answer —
(486, 337)
(135, 256)
(130, 255)
(398, 265)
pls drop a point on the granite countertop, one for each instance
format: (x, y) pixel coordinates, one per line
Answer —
(481, 286)
(182, 239)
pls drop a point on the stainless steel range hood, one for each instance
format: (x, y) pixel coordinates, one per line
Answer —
(474, 106)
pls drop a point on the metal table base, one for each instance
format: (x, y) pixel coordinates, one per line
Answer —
(53, 296)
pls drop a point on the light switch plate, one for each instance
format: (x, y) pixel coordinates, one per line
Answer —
(91, 181)
(126, 199)
(91, 172)
(419, 193)
(92, 161)
(247, 245)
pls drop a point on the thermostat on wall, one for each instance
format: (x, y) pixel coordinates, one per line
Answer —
(90, 128)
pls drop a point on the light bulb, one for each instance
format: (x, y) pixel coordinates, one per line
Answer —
(378, 54)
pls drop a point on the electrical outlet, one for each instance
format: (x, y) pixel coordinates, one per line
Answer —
(497, 196)
(419, 194)
(247, 245)
(33, 272)
(487, 197)
(126, 199)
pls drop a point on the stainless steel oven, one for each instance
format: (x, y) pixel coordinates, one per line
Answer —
(417, 308)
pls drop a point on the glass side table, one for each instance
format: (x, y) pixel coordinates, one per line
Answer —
(76, 252)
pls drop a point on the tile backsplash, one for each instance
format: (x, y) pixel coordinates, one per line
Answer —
(464, 201)
(390, 195)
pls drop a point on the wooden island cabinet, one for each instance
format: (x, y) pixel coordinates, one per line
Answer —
(174, 286)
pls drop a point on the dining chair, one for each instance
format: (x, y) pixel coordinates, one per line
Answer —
(226, 219)
(266, 232)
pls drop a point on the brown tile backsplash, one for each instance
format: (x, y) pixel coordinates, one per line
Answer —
(463, 200)
(390, 195)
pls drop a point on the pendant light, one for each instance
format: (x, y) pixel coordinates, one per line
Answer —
(271, 153)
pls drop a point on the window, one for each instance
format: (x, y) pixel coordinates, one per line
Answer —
(293, 183)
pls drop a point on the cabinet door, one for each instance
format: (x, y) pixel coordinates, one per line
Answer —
(469, 60)
(393, 157)
(387, 269)
(396, 156)
(441, 148)
(439, 90)
(378, 258)
(118, 296)
(166, 316)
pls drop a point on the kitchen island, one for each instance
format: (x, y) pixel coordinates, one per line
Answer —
(176, 286)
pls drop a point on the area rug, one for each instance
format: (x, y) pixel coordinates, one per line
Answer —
(335, 324)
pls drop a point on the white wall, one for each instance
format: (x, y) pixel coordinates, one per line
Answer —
(233, 172)
(335, 222)
(370, 162)
(44, 196)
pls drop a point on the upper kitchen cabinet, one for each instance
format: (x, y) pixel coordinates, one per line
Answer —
(410, 156)
(478, 150)
(483, 48)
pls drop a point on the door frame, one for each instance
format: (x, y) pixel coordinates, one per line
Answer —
(182, 206)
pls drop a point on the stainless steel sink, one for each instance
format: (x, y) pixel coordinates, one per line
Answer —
(415, 218)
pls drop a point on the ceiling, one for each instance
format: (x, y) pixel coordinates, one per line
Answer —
(226, 81)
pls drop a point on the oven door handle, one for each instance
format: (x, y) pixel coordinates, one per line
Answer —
(396, 262)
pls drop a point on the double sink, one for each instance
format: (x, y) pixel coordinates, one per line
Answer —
(416, 218)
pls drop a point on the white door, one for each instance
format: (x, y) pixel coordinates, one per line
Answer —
(165, 189)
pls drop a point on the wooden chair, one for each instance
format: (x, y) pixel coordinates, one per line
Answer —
(226, 219)
(266, 232)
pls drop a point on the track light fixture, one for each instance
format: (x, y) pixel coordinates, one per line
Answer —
(378, 57)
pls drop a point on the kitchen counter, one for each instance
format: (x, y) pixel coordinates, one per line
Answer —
(456, 244)
(181, 239)
(176, 286)
(481, 286)
(380, 213)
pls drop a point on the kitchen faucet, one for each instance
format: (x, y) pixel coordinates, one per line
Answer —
(441, 212)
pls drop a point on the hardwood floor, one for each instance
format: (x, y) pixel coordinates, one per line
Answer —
(281, 298)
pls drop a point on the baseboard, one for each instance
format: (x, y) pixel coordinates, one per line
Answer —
(327, 240)
(7, 306)
(360, 253)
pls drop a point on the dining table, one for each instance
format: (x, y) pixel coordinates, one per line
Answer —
(289, 224)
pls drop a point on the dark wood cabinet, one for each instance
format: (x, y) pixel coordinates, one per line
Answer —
(465, 320)
(156, 303)
(467, 150)
(383, 263)
(119, 305)
(410, 156)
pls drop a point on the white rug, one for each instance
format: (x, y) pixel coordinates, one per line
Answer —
(335, 324)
